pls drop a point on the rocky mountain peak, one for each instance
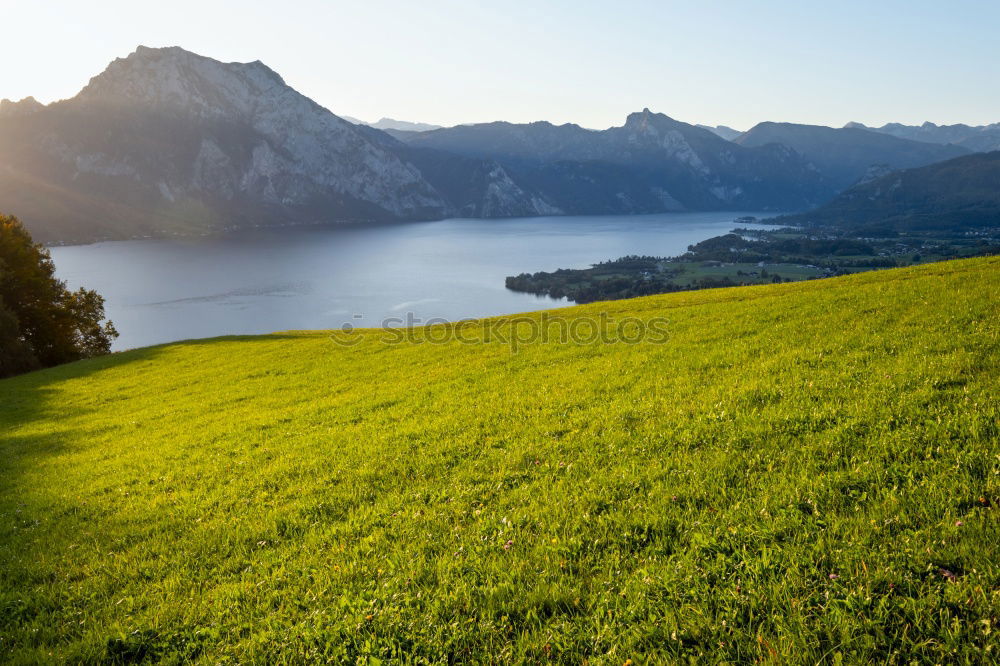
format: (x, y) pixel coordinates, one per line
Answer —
(24, 107)
(194, 128)
(173, 77)
(651, 124)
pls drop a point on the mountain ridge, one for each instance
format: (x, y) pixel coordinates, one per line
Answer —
(391, 124)
(956, 195)
(650, 161)
(165, 141)
(727, 133)
(978, 138)
(845, 155)
(178, 142)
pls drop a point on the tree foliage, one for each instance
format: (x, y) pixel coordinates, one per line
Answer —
(42, 323)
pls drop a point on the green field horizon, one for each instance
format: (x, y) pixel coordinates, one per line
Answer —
(794, 473)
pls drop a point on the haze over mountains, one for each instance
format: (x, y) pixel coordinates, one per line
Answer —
(167, 141)
(962, 194)
(727, 133)
(651, 163)
(845, 155)
(393, 124)
(981, 139)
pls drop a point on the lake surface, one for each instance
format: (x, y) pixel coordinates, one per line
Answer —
(261, 281)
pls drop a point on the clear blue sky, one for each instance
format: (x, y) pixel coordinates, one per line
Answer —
(733, 62)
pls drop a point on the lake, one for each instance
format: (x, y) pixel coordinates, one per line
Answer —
(260, 281)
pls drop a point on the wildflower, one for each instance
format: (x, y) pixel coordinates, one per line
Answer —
(958, 523)
(833, 576)
(510, 542)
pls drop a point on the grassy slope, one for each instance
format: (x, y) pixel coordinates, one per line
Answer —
(802, 471)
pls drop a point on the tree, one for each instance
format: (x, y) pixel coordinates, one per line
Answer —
(42, 323)
(15, 354)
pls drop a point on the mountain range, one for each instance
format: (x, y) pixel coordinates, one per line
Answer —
(649, 164)
(165, 141)
(845, 156)
(393, 124)
(982, 138)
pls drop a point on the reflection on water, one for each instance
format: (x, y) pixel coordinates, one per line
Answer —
(318, 278)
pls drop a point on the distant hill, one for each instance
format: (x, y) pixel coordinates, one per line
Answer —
(649, 164)
(397, 125)
(845, 155)
(959, 194)
(980, 139)
(727, 133)
(405, 125)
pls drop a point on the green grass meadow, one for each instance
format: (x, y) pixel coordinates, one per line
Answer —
(800, 473)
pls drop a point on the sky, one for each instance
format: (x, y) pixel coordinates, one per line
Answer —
(735, 62)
